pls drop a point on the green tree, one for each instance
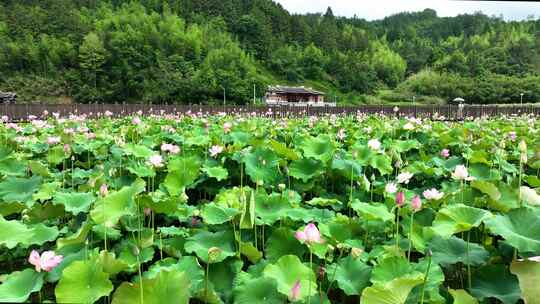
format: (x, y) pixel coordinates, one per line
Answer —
(92, 57)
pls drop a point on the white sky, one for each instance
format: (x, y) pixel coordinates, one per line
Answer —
(378, 9)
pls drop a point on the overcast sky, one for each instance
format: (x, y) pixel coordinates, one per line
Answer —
(378, 9)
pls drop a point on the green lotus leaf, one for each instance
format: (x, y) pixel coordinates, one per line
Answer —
(508, 200)
(483, 172)
(83, 282)
(462, 297)
(215, 214)
(321, 148)
(218, 172)
(487, 188)
(202, 241)
(17, 286)
(505, 287)
(282, 150)
(454, 250)
(76, 238)
(391, 268)
(402, 146)
(247, 218)
(325, 202)
(13, 167)
(74, 202)
(15, 232)
(14, 189)
(532, 180)
(282, 242)
(250, 252)
(306, 169)
(528, 273)
(258, 291)
(56, 155)
(287, 271)
(382, 163)
(70, 254)
(241, 138)
(519, 227)
(530, 196)
(39, 168)
(352, 275)
(110, 263)
(183, 172)
(310, 215)
(262, 165)
(372, 212)
(392, 292)
(138, 151)
(457, 218)
(141, 170)
(222, 277)
(108, 210)
(479, 156)
(434, 281)
(272, 208)
(347, 167)
(167, 287)
(46, 191)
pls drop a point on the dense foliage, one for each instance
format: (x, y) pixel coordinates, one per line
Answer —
(237, 209)
(190, 51)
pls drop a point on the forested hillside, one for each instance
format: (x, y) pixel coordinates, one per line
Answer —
(191, 51)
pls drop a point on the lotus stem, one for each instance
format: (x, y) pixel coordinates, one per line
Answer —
(140, 278)
(311, 269)
(206, 281)
(410, 237)
(468, 261)
(425, 280)
(397, 229)
(334, 273)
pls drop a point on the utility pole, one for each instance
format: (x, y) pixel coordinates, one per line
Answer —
(254, 94)
(224, 96)
(522, 98)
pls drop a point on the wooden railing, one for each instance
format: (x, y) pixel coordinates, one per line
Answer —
(18, 112)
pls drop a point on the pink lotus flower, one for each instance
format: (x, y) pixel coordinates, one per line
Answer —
(136, 120)
(400, 199)
(173, 149)
(374, 144)
(53, 140)
(445, 153)
(47, 261)
(103, 190)
(416, 203)
(215, 150)
(67, 149)
(108, 113)
(156, 161)
(295, 292)
(512, 135)
(310, 235)
(227, 127)
(461, 173)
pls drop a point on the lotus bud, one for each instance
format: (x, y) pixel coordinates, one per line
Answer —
(213, 254)
(295, 292)
(416, 203)
(523, 157)
(282, 187)
(428, 252)
(356, 252)
(522, 146)
(400, 199)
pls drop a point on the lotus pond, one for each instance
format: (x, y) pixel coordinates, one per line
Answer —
(243, 209)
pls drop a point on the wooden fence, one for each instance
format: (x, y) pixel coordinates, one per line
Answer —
(19, 112)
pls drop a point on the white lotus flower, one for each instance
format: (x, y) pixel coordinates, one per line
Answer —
(390, 188)
(404, 178)
(433, 194)
(374, 144)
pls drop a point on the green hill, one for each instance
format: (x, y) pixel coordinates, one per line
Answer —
(190, 51)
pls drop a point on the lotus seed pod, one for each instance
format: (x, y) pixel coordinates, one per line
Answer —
(213, 254)
(282, 187)
(523, 157)
(196, 212)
